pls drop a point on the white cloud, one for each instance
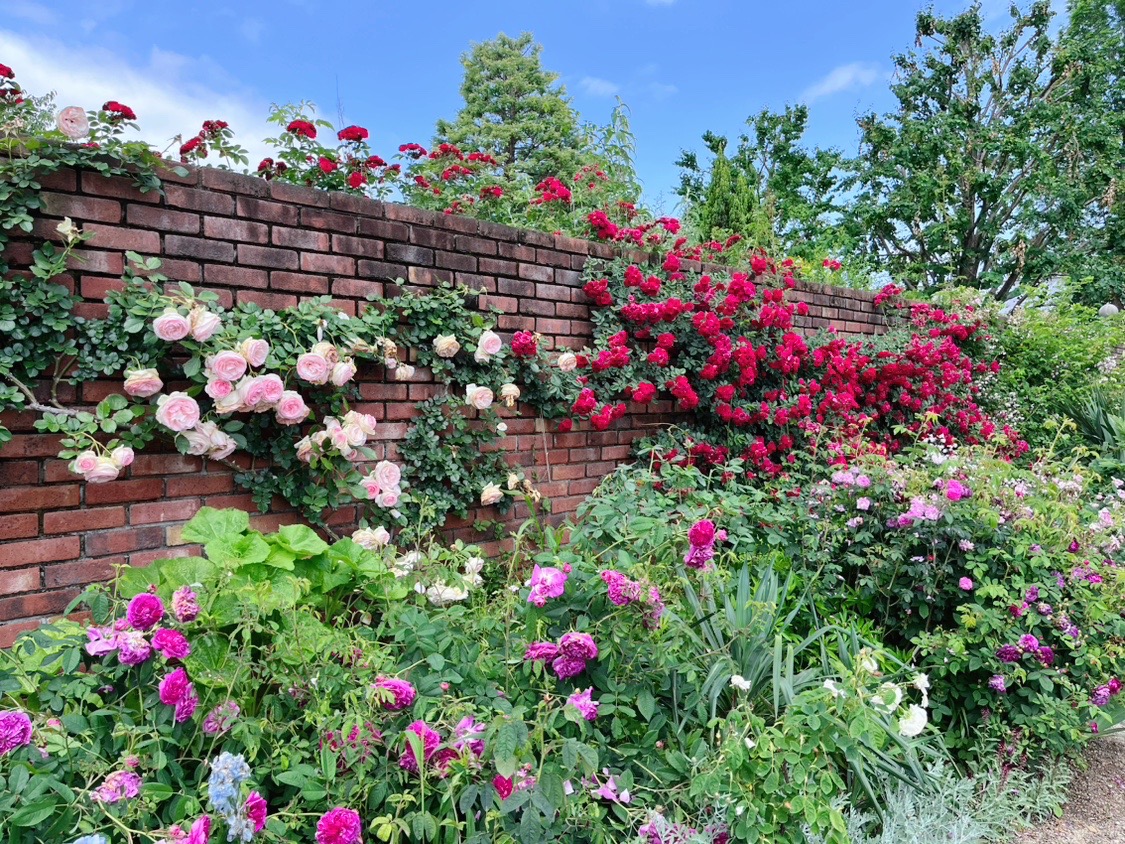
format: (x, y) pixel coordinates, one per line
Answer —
(30, 11)
(171, 93)
(846, 77)
(596, 87)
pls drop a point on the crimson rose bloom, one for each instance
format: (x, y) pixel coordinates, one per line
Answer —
(190, 145)
(357, 180)
(117, 111)
(353, 133)
(524, 344)
(6, 72)
(302, 127)
(327, 165)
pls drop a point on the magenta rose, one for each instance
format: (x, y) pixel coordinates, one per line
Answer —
(256, 810)
(227, 365)
(401, 695)
(200, 831)
(142, 383)
(177, 411)
(15, 730)
(313, 368)
(185, 605)
(171, 325)
(174, 687)
(291, 408)
(145, 611)
(339, 826)
(171, 644)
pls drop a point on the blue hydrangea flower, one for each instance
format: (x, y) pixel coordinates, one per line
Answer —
(224, 787)
(97, 838)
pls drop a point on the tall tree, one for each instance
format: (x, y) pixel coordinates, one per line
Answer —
(772, 190)
(997, 155)
(515, 110)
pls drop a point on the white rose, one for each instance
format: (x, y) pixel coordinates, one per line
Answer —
(887, 699)
(509, 393)
(371, 538)
(913, 722)
(404, 372)
(441, 593)
(478, 397)
(446, 346)
(490, 494)
(343, 372)
(568, 362)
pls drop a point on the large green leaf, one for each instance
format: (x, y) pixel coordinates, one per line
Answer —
(233, 551)
(210, 524)
(301, 540)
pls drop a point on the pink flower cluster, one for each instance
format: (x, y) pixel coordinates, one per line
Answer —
(345, 436)
(547, 582)
(100, 469)
(701, 549)
(176, 690)
(467, 737)
(323, 364)
(622, 591)
(172, 326)
(568, 658)
(920, 510)
(220, 719)
(383, 484)
(118, 786)
(394, 694)
(360, 742)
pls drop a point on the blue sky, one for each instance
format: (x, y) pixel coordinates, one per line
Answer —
(682, 66)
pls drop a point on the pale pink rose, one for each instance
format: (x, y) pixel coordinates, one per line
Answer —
(255, 350)
(291, 409)
(446, 346)
(227, 365)
(327, 351)
(478, 397)
(171, 325)
(337, 436)
(222, 445)
(313, 368)
(365, 421)
(122, 456)
(509, 394)
(84, 462)
(304, 445)
(491, 494)
(488, 345)
(204, 324)
(568, 362)
(274, 387)
(177, 411)
(404, 372)
(343, 372)
(371, 538)
(105, 470)
(218, 388)
(72, 122)
(230, 403)
(387, 474)
(198, 439)
(142, 383)
(253, 393)
(370, 486)
(388, 497)
(390, 363)
(355, 435)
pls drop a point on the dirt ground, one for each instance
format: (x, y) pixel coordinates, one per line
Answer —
(1095, 808)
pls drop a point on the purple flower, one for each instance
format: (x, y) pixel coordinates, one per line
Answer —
(15, 730)
(566, 667)
(1032, 595)
(1008, 653)
(966, 584)
(221, 718)
(185, 606)
(118, 786)
(1046, 654)
(186, 705)
(171, 644)
(430, 741)
(1028, 643)
(546, 583)
(586, 706)
(622, 591)
(863, 503)
(580, 645)
(1101, 696)
(174, 687)
(1114, 686)
(145, 611)
(541, 652)
(103, 640)
(698, 556)
(132, 647)
(955, 491)
(401, 693)
(1044, 608)
(1017, 610)
(339, 826)
(998, 684)
(467, 736)
(655, 609)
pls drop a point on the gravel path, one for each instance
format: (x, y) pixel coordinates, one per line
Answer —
(1095, 808)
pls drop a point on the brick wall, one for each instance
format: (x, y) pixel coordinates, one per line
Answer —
(273, 244)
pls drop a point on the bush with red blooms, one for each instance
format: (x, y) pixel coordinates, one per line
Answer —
(726, 350)
(215, 136)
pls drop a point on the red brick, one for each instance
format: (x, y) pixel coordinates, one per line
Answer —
(40, 603)
(96, 287)
(19, 526)
(61, 180)
(385, 230)
(314, 262)
(175, 510)
(455, 261)
(534, 272)
(11, 631)
(476, 245)
(200, 484)
(182, 270)
(200, 200)
(93, 261)
(299, 282)
(82, 208)
(195, 247)
(271, 212)
(76, 521)
(235, 276)
(378, 269)
(224, 228)
(13, 472)
(243, 501)
(16, 499)
(418, 256)
(299, 194)
(301, 238)
(364, 247)
(270, 301)
(163, 219)
(356, 287)
(32, 551)
(118, 492)
(228, 180)
(315, 218)
(116, 237)
(267, 256)
(120, 541)
(80, 573)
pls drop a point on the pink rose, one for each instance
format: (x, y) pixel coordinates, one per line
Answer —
(227, 365)
(387, 474)
(343, 372)
(365, 421)
(254, 350)
(203, 323)
(274, 387)
(222, 444)
(122, 456)
(104, 472)
(252, 392)
(327, 351)
(370, 486)
(313, 368)
(142, 383)
(84, 462)
(171, 325)
(478, 397)
(354, 435)
(177, 411)
(218, 388)
(200, 831)
(388, 497)
(488, 345)
(72, 122)
(291, 409)
(304, 446)
(198, 440)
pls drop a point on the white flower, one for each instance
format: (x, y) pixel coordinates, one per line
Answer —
(474, 565)
(502, 428)
(513, 480)
(509, 393)
(867, 661)
(887, 699)
(913, 722)
(68, 230)
(478, 397)
(441, 593)
(371, 539)
(490, 494)
(488, 345)
(446, 346)
(740, 682)
(922, 684)
(831, 686)
(404, 372)
(568, 362)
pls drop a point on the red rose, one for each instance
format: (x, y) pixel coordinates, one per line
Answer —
(190, 146)
(659, 357)
(566, 426)
(327, 165)
(644, 393)
(353, 133)
(6, 72)
(524, 344)
(357, 179)
(726, 392)
(302, 127)
(117, 111)
(503, 786)
(265, 164)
